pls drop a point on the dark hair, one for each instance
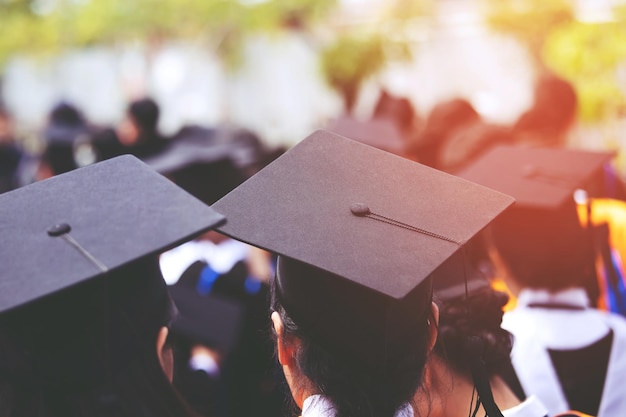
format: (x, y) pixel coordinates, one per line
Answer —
(399, 109)
(442, 122)
(66, 114)
(90, 351)
(359, 391)
(546, 249)
(479, 315)
(66, 127)
(145, 113)
(554, 109)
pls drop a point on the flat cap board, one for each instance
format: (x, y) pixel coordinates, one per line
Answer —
(73, 227)
(369, 216)
(536, 177)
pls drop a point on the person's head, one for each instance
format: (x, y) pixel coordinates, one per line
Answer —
(398, 109)
(84, 311)
(66, 127)
(443, 121)
(552, 114)
(544, 249)
(479, 315)
(472, 353)
(142, 118)
(369, 368)
(360, 236)
(65, 114)
(540, 240)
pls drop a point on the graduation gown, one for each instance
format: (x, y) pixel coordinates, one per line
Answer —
(568, 325)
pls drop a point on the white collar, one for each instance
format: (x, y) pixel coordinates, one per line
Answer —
(576, 297)
(554, 328)
(530, 407)
(320, 406)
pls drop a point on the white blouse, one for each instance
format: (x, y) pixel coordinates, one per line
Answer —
(320, 406)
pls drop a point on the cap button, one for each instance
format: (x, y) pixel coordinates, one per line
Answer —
(59, 229)
(360, 209)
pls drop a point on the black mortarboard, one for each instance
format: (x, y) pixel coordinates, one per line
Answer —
(74, 227)
(541, 238)
(209, 320)
(380, 133)
(358, 230)
(79, 266)
(542, 178)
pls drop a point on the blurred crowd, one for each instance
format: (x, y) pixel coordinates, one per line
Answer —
(230, 368)
(449, 137)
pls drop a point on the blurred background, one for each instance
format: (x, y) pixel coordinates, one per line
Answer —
(209, 91)
(285, 68)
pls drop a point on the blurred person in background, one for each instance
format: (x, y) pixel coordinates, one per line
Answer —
(567, 353)
(216, 266)
(552, 116)
(64, 132)
(400, 110)
(444, 120)
(10, 154)
(91, 338)
(550, 121)
(205, 334)
(137, 134)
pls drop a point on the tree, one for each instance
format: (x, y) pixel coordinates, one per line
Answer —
(587, 54)
(362, 51)
(28, 28)
(529, 21)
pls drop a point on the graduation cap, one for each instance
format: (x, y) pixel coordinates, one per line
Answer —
(209, 320)
(83, 245)
(543, 178)
(380, 133)
(360, 233)
(541, 238)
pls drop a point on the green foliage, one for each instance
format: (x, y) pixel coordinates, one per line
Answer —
(350, 61)
(529, 21)
(363, 51)
(589, 55)
(74, 23)
(222, 25)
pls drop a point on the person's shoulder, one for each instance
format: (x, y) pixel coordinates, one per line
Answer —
(572, 414)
